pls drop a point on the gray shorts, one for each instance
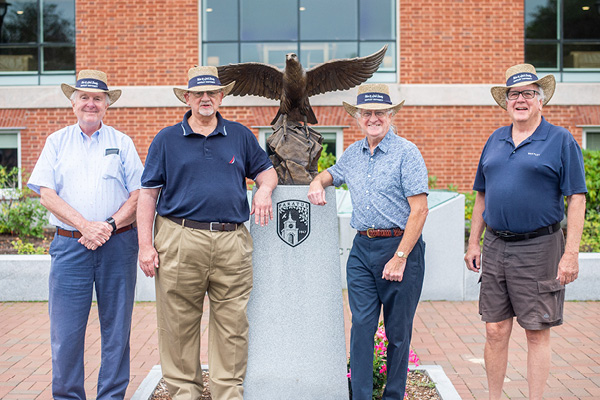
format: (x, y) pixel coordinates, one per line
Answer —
(519, 279)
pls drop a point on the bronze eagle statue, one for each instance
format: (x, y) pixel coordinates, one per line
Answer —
(294, 85)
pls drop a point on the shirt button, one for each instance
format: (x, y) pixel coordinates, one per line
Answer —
(368, 176)
(368, 207)
(514, 152)
(373, 226)
(367, 192)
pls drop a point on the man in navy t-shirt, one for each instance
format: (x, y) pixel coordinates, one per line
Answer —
(201, 246)
(525, 171)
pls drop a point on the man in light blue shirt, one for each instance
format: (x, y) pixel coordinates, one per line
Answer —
(387, 178)
(89, 177)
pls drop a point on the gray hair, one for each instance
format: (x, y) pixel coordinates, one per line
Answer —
(542, 95)
(74, 97)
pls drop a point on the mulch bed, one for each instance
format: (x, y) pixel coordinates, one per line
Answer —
(418, 387)
(6, 240)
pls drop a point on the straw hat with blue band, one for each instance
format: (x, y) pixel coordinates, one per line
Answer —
(203, 79)
(523, 75)
(90, 80)
(373, 96)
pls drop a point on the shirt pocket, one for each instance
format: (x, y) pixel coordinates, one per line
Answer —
(112, 167)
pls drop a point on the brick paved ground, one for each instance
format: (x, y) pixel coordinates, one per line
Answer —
(445, 333)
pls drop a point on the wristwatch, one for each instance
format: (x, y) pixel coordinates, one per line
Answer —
(112, 223)
(401, 254)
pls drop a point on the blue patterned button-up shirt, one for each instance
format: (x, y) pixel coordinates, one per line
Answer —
(380, 183)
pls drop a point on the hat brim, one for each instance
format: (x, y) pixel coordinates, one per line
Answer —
(180, 93)
(352, 109)
(547, 83)
(113, 95)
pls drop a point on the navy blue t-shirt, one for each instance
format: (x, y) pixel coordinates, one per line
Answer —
(524, 186)
(203, 177)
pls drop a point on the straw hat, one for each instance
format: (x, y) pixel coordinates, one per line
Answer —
(203, 79)
(523, 75)
(373, 96)
(90, 80)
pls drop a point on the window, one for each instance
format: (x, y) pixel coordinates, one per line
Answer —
(333, 137)
(9, 150)
(37, 41)
(563, 37)
(235, 31)
(591, 138)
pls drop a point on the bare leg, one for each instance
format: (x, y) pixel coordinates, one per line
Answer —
(538, 361)
(497, 335)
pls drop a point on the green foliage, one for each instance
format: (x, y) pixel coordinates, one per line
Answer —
(591, 161)
(432, 181)
(20, 214)
(591, 228)
(326, 160)
(27, 248)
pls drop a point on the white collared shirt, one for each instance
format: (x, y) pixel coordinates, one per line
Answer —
(94, 175)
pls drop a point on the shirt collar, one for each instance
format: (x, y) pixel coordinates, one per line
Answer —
(95, 136)
(384, 145)
(187, 129)
(540, 133)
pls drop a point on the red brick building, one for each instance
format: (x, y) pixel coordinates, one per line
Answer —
(443, 58)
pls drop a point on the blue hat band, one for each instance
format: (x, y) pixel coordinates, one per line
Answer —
(204, 80)
(90, 83)
(367, 98)
(521, 77)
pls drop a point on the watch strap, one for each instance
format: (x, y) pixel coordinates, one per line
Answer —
(111, 222)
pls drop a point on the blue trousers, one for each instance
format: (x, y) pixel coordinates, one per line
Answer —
(73, 273)
(367, 292)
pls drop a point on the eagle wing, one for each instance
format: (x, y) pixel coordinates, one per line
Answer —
(252, 79)
(342, 74)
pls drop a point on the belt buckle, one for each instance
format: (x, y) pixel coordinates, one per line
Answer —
(505, 234)
(369, 233)
(210, 228)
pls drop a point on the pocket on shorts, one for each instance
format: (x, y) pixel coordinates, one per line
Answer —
(551, 298)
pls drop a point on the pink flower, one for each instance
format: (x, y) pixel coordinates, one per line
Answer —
(383, 369)
(348, 374)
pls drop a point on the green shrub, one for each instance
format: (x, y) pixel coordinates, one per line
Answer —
(20, 214)
(27, 248)
(591, 160)
(326, 160)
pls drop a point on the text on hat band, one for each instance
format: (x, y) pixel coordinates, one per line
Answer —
(365, 98)
(521, 77)
(90, 83)
(203, 80)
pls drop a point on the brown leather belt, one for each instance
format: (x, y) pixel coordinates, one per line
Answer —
(372, 233)
(208, 226)
(77, 234)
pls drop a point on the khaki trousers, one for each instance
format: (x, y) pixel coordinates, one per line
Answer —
(193, 262)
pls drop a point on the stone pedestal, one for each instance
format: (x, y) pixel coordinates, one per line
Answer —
(297, 347)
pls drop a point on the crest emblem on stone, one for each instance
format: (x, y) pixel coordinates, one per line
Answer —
(293, 221)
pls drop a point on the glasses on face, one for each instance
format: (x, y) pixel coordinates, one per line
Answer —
(527, 94)
(211, 94)
(368, 114)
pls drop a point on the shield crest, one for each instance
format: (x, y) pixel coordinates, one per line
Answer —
(293, 221)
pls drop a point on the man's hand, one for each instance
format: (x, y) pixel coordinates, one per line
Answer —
(148, 258)
(95, 234)
(316, 193)
(394, 269)
(262, 206)
(473, 257)
(568, 268)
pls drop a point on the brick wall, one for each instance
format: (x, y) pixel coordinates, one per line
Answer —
(467, 41)
(153, 42)
(450, 138)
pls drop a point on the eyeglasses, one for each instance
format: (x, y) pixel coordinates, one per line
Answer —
(367, 114)
(199, 95)
(527, 94)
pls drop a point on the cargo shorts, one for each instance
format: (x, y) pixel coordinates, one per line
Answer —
(519, 279)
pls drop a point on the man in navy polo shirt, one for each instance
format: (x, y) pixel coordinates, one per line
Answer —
(525, 171)
(199, 167)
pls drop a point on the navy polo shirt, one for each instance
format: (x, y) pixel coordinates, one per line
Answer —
(524, 186)
(203, 178)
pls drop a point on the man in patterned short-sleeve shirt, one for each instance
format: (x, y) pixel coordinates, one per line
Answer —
(387, 179)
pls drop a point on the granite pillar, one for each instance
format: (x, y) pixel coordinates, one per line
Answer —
(297, 348)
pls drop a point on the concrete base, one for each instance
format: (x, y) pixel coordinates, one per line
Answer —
(297, 347)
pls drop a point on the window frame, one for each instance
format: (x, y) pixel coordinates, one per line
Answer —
(14, 132)
(584, 135)
(265, 131)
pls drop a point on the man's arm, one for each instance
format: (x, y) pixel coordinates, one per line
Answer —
(148, 257)
(568, 267)
(394, 269)
(262, 207)
(316, 190)
(473, 255)
(95, 233)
